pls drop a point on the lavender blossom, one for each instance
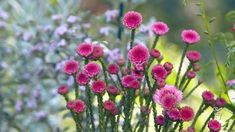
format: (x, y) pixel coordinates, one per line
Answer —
(61, 30)
(104, 31)
(72, 19)
(111, 15)
(40, 115)
(18, 106)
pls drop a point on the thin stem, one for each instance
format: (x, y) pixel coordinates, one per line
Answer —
(186, 85)
(89, 103)
(184, 76)
(76, 87)
(191, 91)
(155, 42)
(231, 127)
(197, 114)
(154, 116)
(175, 126)
(207, 120)
(101, 115)
(131, 45)
(181, 62)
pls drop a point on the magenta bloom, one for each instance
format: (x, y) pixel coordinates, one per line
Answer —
(208, 96)
(167, 96)
(79, 106)
(115, 111)
(130, 81)
(62, 90)
(191, 74)
(98, 86)
(97, 52)
(193, 56)
(214, 125)
(109, 105)
(85, 49)
(138, 74)
(71, 67)
(160, 28)
(113, 69)
(190, 36)
(113, 90)
(82, 78)
(138, 54)
(70, 105)
(161, 83)
(159, 71)
(155, 53)
(168, 66)
(220, 102)
(160, 120)
(132, 20)
(186, 113)
(92, 69)
(173, 114)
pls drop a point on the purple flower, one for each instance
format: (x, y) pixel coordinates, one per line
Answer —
(72, 19)
(56, 17)
(110, 15)
(40, 115)
(4, 15)
(27, 36)
(61, 30)
(22, 90)
(104, 31)
(31, 104)
(18, 106)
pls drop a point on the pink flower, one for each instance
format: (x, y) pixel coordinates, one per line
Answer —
(130, 81)
(161, 83)
(98, 86)
(71, 67)
(115, 111)
(173, 114)
(132, 20)
(82, 78)
(113, 69)
(230, 82)
(92, 69)
(79, 106)
(97, 52)
(155, 53)
(168, 66)
(220, 102)
(191, 74)
(138, 54)
(109, 105)
(186, 113)
(85, 49)
(138, 74)
(193, 56)
(62, 90)
(208, 96)
(159, 71)
(113, 90)
(214, 125)
(70, 105)
(160, 120)
(160, 28)
(190, 36)
(167, 96)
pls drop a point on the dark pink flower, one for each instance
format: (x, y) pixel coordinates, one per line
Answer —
(220, 102)
(113, 90)
(98, 86)
(109, 105)
(155, 53)
(85, 49)
(160, 120)
(168, 66)
(167, 96)
(135, 84)
(193, 56)
(70, 105)
(92, 69)
(208, 96)
(115, 111)
(190, 36)
(97, 52)
(186, 113)
(138, 74)
(191, 74)
(138, 54)
(71, 67)
(161, 83)
(79, 106)
(132, 20)
(113, 69)
(173, 114)
(62, 90)
(82, 78)
(214, 125)
(160, 28)
(129, 81)
(159, 71)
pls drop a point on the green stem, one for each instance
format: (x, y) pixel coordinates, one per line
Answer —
(153, 46)
(101, 115)
(184, 76)
(176, 126)
(131, 46)
(186, 85)
(191, 91)
(181, 62)
(89, 104)
(154, 116)
(197, 114)
(231, 127)
(207, 120)
(76, 87)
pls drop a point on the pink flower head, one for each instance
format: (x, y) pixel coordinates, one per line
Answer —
(214, 125)
(113, 90)
(132, 20)
(193, 56)
(71, 67)
(186, 113)
(70, 105)
(97, 52)
(98, 86)
(208, 96)
(173, 114)
(115, 111)
(113, 69)
(92, 69)
(160, 28)
(62, 90)
(138, 74)
(160, 120)
(155, 53)
(82, 78)
(138, 54)
(168, 66)
(190, 36)
(159, 71)
(220, 102)
(79, 106)
(85, 49)
(109, 105)
(161, 83)
(191, 74)
(130, 81)
(230, 83)
(168, 96)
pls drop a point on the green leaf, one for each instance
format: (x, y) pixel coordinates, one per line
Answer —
(212, 19)
(230, 16)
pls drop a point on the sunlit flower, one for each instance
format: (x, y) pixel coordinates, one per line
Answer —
(193, 56)
(208, 96)
(155, 53)
(109, 105)
(79, 106)
(132, 20)
(191, 74)
(92, 69)
(220, 102)
(82, 78)
(160, 28)
(173, 114)
(159, 71)
(113, 69)
(98, 86)
(186, 113)
(85, 49)
(71, 67)
(138, 54)
(190, 36)
(62, 90)
(160, 120)
(214, 125)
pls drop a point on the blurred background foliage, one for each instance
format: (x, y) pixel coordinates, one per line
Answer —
(37, 36)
